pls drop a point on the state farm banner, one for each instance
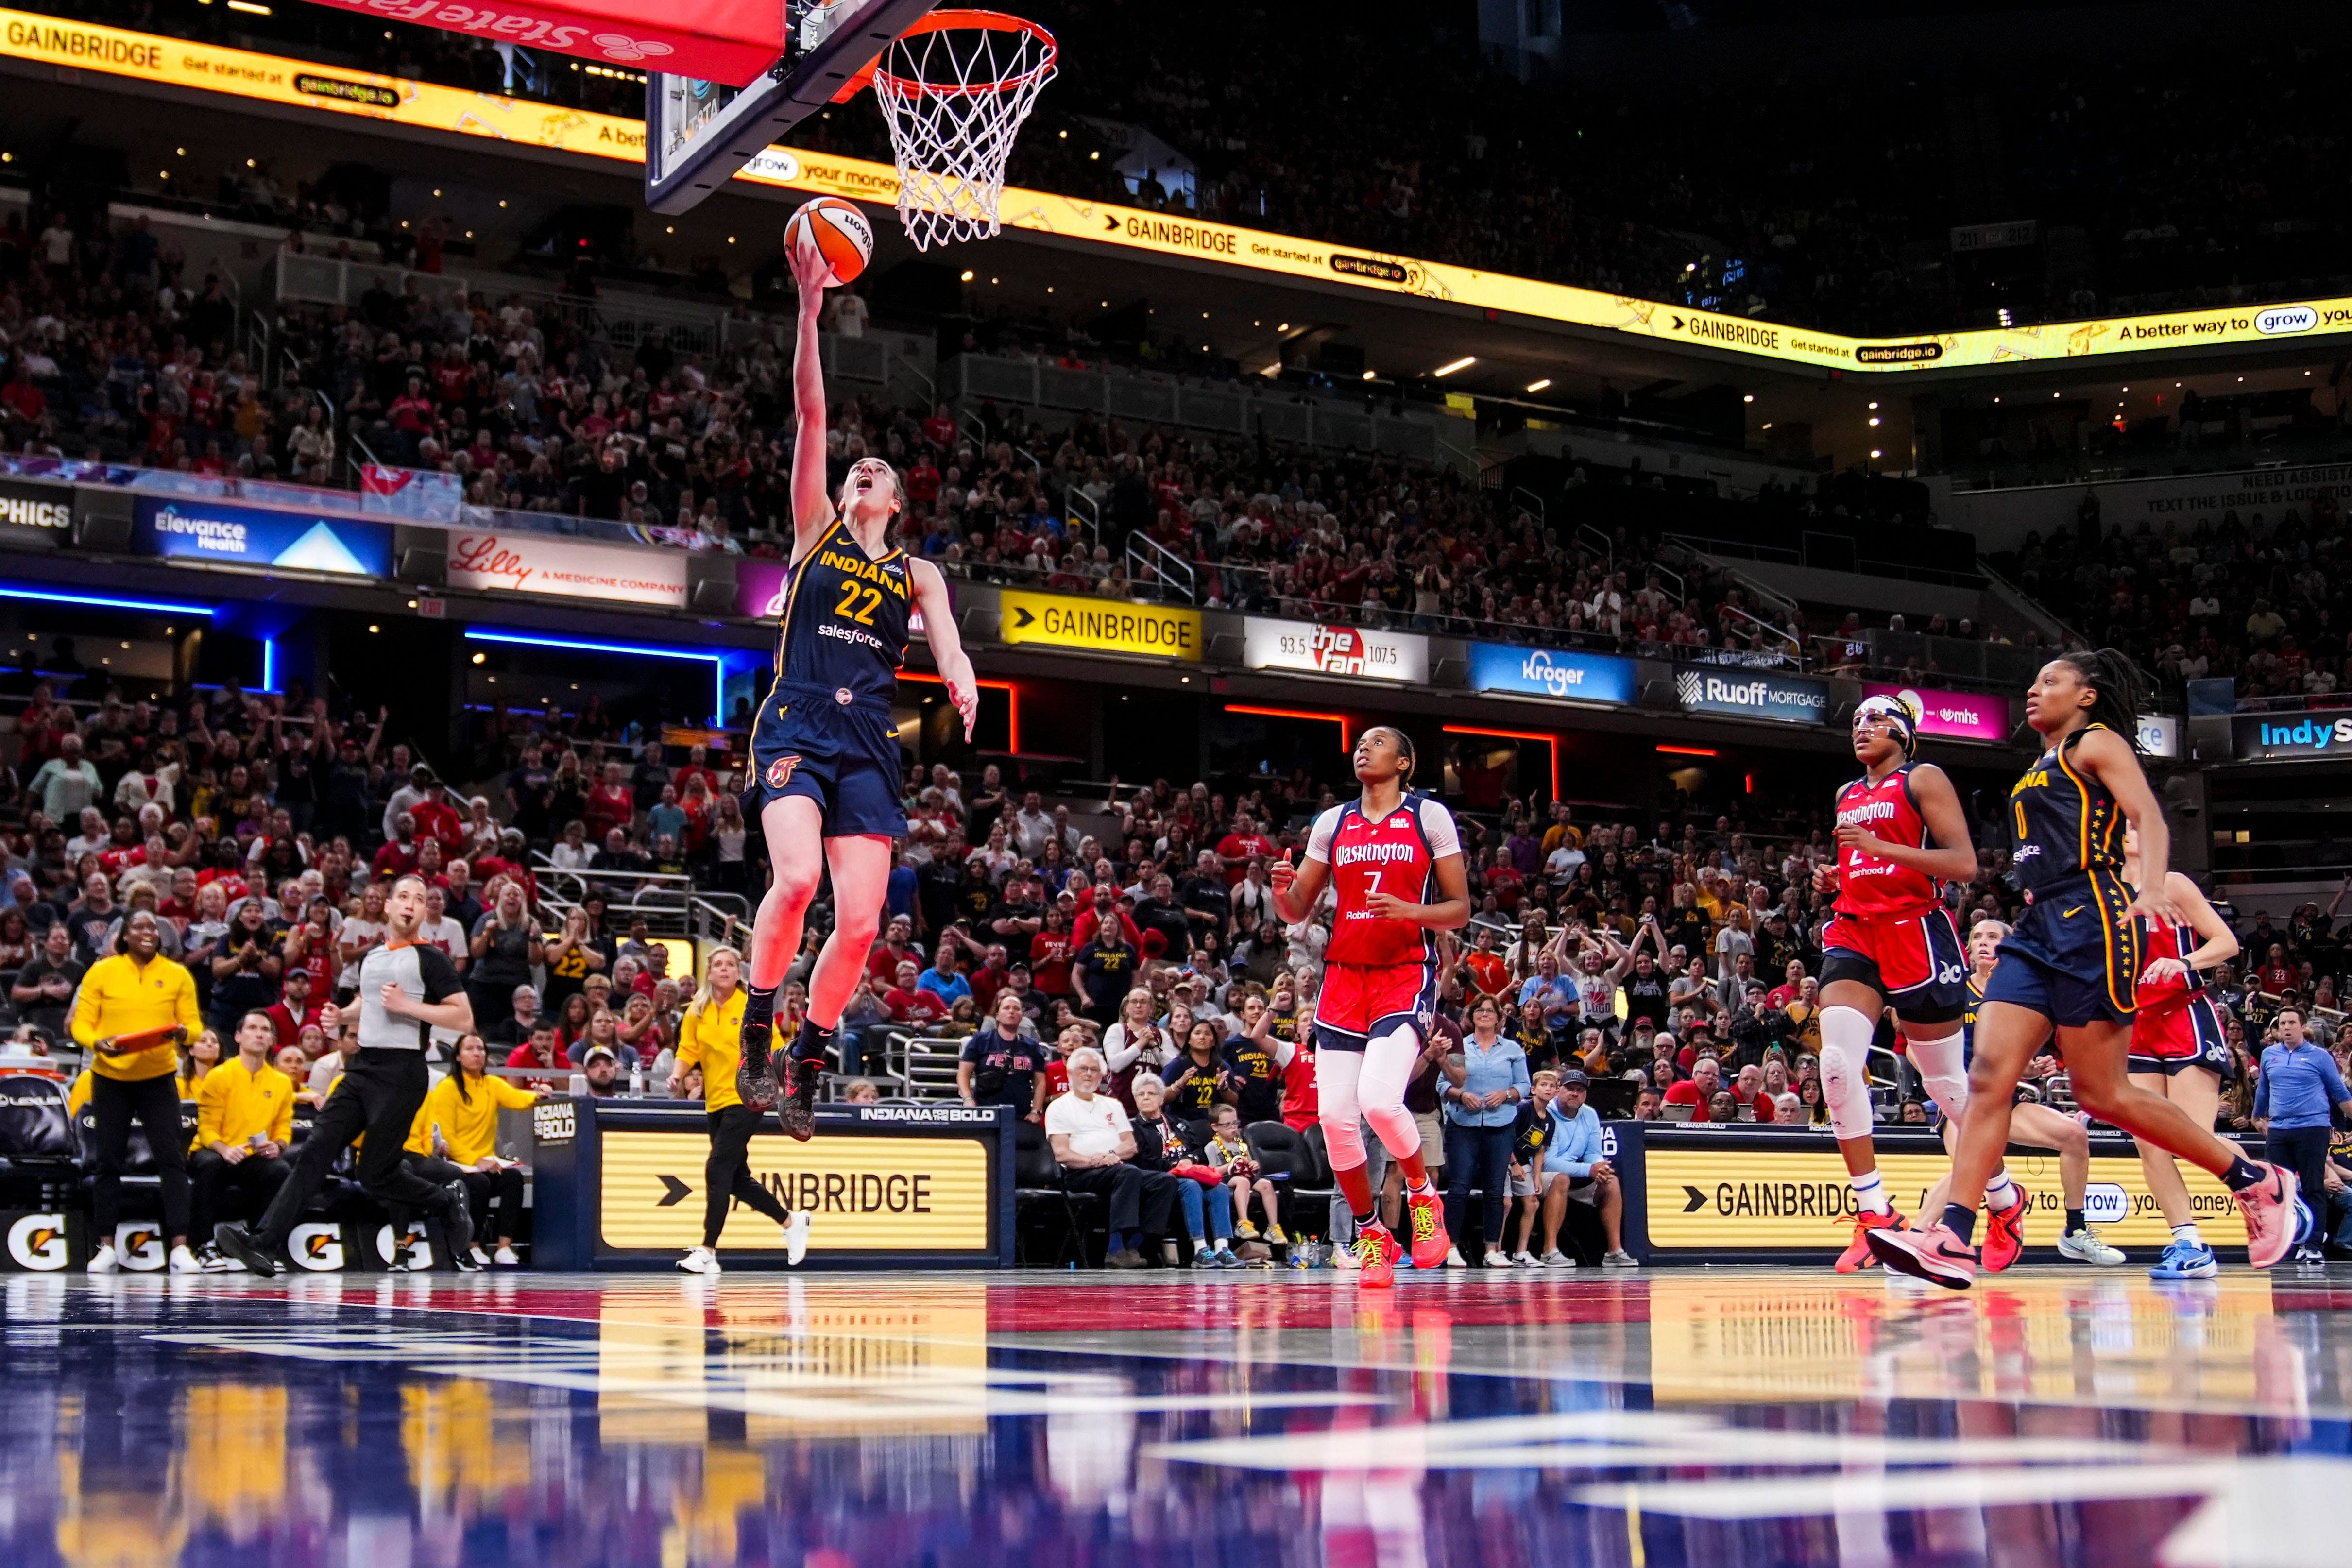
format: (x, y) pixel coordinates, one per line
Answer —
(716, 41)
(1317, 649)
(565, 568)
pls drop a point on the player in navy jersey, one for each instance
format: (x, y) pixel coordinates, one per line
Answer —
(2179, 1051)
(826, 770)
(2072, 966)
(1901, 836)
(2031, 1124)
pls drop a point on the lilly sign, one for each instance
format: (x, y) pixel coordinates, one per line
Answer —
(1953, 715)
(2289, 737)
(1549, 672)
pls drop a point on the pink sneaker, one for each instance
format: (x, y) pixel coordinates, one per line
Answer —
(2005, 1233)
(2270, 1209)
(1935, 1255)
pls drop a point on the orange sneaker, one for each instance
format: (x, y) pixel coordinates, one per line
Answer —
(1376, 1256)
(1430, 1241)
(1857, 1254)
(2005, 1233)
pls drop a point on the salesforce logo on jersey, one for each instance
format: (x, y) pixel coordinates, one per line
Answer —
(1549, 672)
(257, 536)
(1785, 699)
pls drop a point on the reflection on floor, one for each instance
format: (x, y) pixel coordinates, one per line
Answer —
(1753, 1416)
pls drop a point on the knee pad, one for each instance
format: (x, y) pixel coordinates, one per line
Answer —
(1343, 1139)
(1845, 1077)
(1389, 1061)
(1944, 1070)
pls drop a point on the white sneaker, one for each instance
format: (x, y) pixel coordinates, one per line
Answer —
(796, 1232)
(1345, 1258)
(219, 1263)
(482, 1260)
(1556, 1258)
(2084, 1245)
(103, 1261)
(1523, 1258)
(1453, 1259)
(505, 1258)
(1619, 1258)
(1498, 1260)
(699, 1260)
(183, 1262)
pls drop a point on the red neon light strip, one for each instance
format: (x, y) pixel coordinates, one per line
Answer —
(1339, 718)
(1550, 740)
(1689, 751)
(1011, 703)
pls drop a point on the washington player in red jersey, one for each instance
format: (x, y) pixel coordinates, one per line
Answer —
(1901, 835)
(1393, 860)
(2177, 1049)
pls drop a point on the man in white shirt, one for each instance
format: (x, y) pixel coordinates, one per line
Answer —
(1093, 1141)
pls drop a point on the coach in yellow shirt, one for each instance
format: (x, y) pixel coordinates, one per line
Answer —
(143, 1001)
(462, 1111)
(245, 1118)
(711, 1036)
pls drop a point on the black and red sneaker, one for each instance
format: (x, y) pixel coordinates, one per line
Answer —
(796, 1093)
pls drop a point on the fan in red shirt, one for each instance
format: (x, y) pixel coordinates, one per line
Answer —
(897, 947)
(1049, 956)
(437, 819)
(1237, 848)
(1090, 920)
(909, 1004)
(1696, 1090)
(1392, 861)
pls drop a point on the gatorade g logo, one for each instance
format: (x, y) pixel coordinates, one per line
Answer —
(779, 771)
(139, 1246)
(317, 1247)
(37, 1242)
(420, 1251)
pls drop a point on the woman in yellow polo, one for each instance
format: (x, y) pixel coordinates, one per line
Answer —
(463, 1109)
(131, 1013)
(710, 1036)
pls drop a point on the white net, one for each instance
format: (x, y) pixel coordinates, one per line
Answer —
(954, 95)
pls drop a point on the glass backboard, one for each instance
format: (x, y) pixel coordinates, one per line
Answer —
(698, 134)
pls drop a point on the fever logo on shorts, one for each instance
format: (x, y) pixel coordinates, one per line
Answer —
(779, 771)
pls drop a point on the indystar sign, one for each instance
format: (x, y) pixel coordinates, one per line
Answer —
(2291, 737)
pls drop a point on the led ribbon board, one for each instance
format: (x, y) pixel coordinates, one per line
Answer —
(271, 79)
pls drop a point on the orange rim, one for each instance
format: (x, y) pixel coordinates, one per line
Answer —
(945, 21)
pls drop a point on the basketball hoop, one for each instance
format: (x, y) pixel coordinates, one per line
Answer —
(954, 88)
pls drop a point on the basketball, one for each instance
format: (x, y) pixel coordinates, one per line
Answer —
(838, 231)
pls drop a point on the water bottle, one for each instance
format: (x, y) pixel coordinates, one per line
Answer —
(578, 1084)
(636, 1081)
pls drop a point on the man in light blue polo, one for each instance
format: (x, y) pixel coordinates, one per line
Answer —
(1576, 1153)
(2299, 1085)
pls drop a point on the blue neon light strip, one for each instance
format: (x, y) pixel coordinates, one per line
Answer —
(269, 664)
(55, 596)
(717, 661)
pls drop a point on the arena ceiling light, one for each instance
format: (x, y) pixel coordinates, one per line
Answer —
(1539, 386)
(715, 658)
(1465, 362)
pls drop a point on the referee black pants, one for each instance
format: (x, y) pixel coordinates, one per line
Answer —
(727, 1175)
(154, 1103)
(379, 1095)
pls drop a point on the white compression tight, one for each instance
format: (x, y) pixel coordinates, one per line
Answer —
(1368, 1084)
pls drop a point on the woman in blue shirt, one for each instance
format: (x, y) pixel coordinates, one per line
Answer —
(1482, 1112)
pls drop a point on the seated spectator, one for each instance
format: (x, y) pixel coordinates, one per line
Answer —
(514, 1024)
(1093, 1141)
(1207, 1204)
(1226, 1152)
(1574, 1154)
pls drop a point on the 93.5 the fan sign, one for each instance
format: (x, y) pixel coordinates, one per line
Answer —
(838, 230)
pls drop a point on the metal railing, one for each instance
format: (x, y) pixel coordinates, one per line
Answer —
(1148, 561)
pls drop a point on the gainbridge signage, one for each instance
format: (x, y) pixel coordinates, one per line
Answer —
(886, 1186)
(302, 84)
(1099, 626)
(1751, 1190)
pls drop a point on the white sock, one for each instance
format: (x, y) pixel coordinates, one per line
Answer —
(2187, 1235)
(1421, 1188)
(2000, 1193)
(1870, 1192)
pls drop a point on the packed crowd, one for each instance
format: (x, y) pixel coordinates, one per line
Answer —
(1754, 196)
(107, 348)
(2252, 599)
